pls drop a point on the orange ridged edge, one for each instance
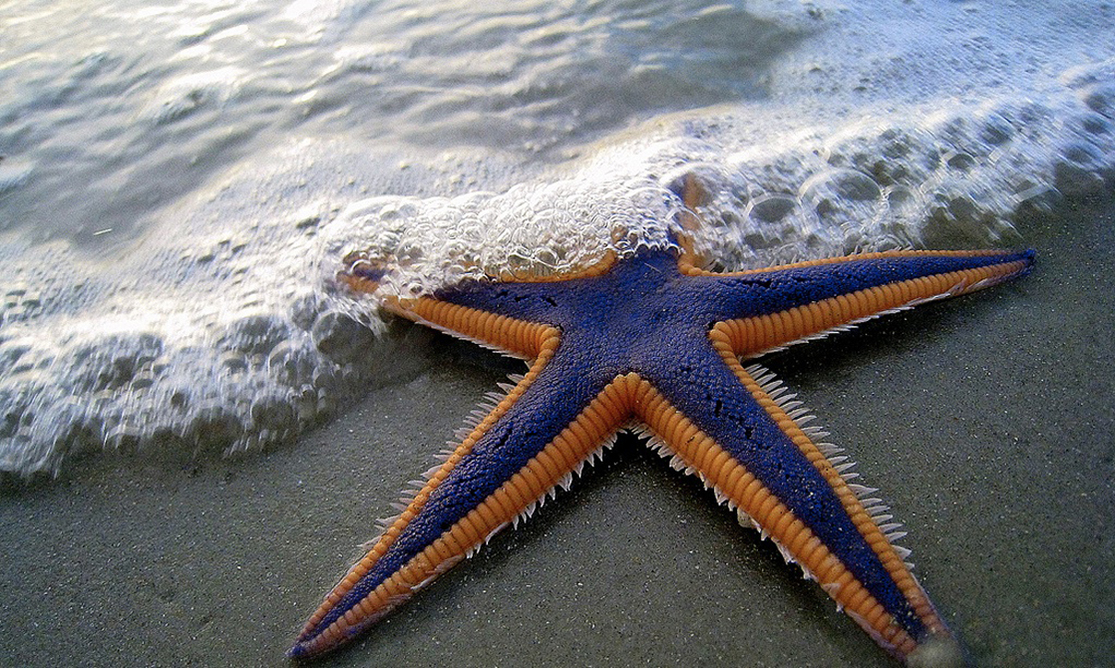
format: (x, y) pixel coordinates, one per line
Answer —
(520, 338)
(549, 338)
(602, 417)
(749, 495)
(690, 268)
(750, 336)
(870, 612)
(599, 268)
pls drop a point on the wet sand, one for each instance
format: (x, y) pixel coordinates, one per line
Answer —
(986, 421)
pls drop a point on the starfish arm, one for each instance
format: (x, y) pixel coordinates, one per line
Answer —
(534, 440)
(746, 446)
(511, 336)
(508, 333)
(769, 309)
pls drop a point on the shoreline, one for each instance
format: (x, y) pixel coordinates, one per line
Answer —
(981, 420)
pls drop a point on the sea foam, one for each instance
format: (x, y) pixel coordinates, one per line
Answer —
(216, 325)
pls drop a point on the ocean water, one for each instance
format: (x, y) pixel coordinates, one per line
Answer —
(179, 183)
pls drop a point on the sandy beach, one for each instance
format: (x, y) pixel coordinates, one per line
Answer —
(986, 421)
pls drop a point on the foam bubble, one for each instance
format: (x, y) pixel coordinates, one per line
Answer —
(530, 230)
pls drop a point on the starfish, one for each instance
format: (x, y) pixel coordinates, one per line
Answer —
(649, 341)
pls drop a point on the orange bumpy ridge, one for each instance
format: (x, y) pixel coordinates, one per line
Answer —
(867, 526)
(549, 341)
(575, 444)
(690, 267)
(746, 493)
(750, 336)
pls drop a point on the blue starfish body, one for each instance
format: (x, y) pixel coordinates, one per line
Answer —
(649, 340)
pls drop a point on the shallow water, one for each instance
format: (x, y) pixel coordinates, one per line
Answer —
(179, 183)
